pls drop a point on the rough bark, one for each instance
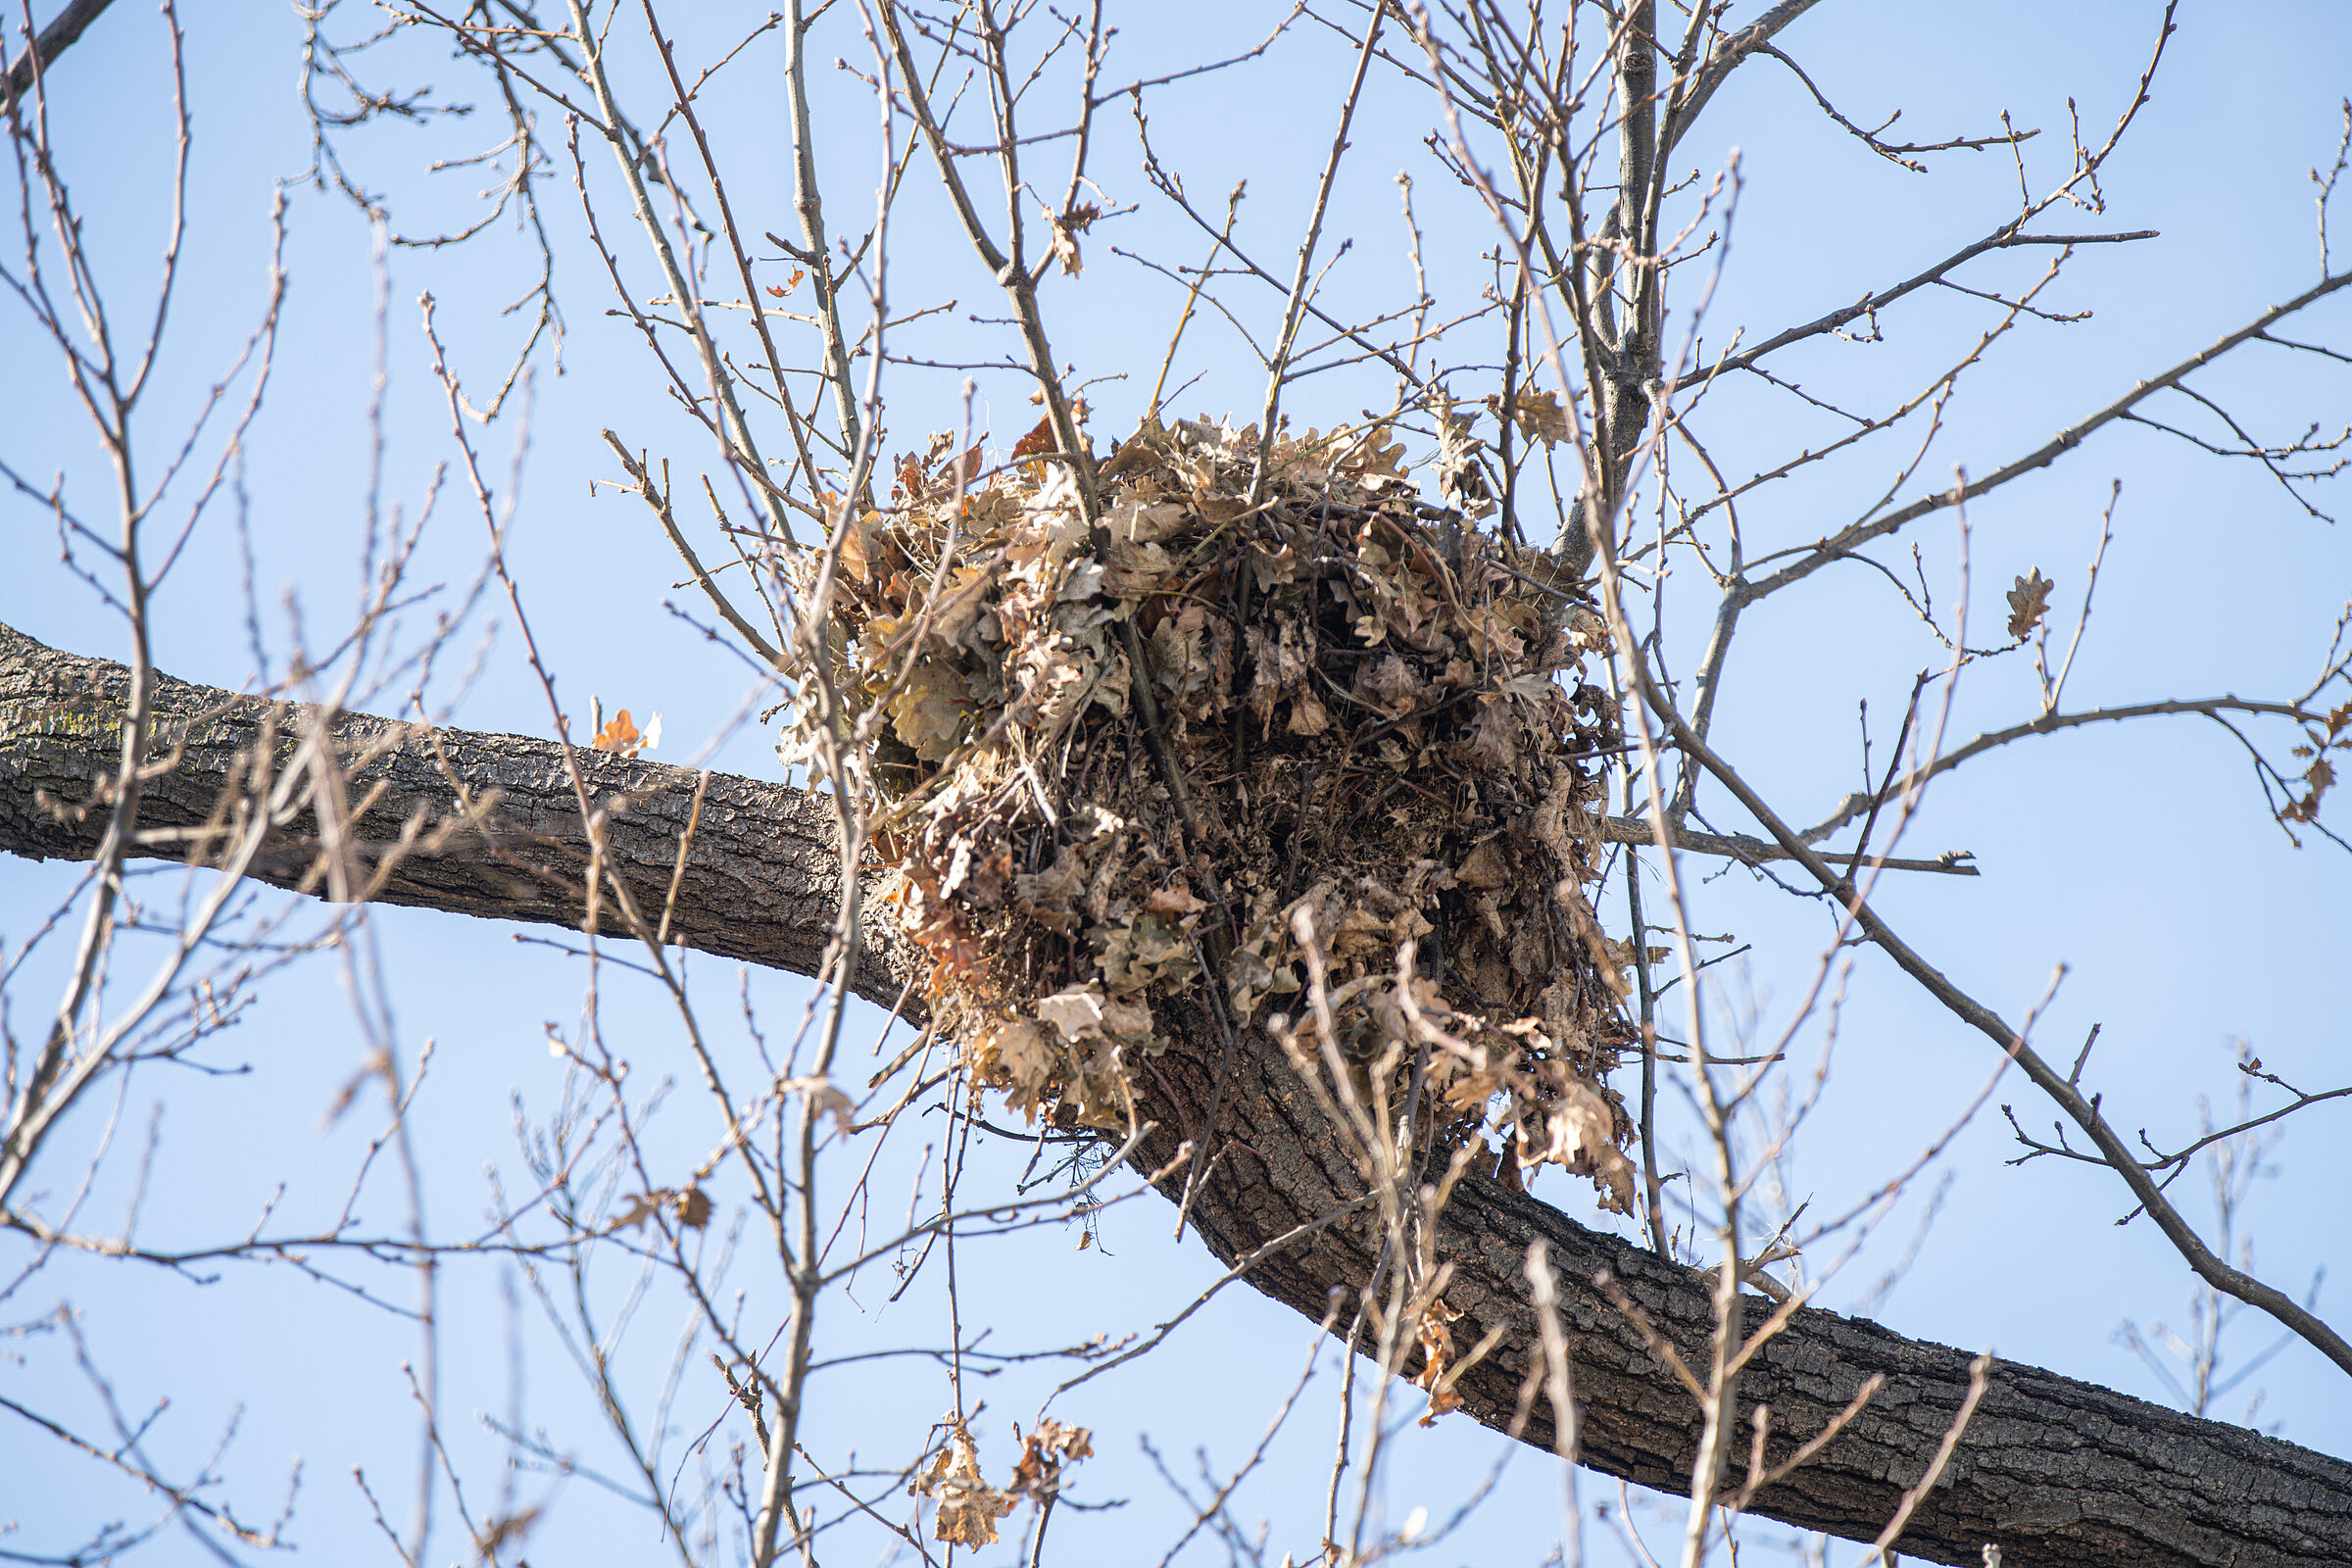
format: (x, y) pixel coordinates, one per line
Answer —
(55, 39)
(762, 884)
(2053, 1470)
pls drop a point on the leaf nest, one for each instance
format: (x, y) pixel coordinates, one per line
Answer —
(1372, 731)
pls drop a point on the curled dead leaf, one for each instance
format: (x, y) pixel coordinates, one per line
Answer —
(2028, 602)
(1043, 1454)
(1037, 442)
(969, 1506)
(1177, 899)
(1436, 1336)
(1485, 867)
(641, 1207)
(825, 1099)
(1066, 231)
(1577, 1131)
(1540, 416)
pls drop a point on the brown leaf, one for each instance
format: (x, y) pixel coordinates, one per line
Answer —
(969, 1506)
(926, 712)
(1460, 479)
(692, 1207)
(1436, 1342)
(642, 1207)
(964, 471)
(1308, 716)
(1389, 683)
(1075, 1010)
(1066, 236)
(1016, 1057)
(825, 1099)
(1540, 416)
(1177, 901)
(1043, 1455)
(2319, 776)
(2028, 602)
(1495, 738)
(1039, 441)
(1484, 867)
(504, 1530)
(1579, 1131)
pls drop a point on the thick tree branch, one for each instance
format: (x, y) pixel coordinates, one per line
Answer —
(55, 39)
(2053, 1470)
(761, 883)
(1730, 51)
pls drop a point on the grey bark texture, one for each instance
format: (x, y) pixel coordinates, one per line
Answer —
(2052, 1470)
(55, 39)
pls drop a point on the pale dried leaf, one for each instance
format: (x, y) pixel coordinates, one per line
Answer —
(1541, 417)
(2028, 602)
(1077, 1011)
(969, 1506)
(825, 1099)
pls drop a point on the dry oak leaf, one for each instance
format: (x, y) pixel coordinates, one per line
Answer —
(1066, 236)
(690, 1205)
(1389, 683)
(969, 1506)
(1436, 1344)
(1308, 716)
(642, 1207)
(825, 1099)
(1019, 1051)
(506, 1529)
(1038, 441)
(2028, 602)
(2319, 776)
(1578, 1133)
(1043, 1455)
(927, 712)
(1177, 899)
(1484, 867)
(1041, 441)
(1541, 417)
(623, 737)
(1084, 1013)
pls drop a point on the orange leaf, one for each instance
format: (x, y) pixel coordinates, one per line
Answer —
(1036, 442)
(616, 736)
(624, 738)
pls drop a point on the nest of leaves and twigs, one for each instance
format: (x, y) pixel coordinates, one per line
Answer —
(1357, 735)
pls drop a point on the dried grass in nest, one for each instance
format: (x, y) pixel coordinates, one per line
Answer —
(1381, 734)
